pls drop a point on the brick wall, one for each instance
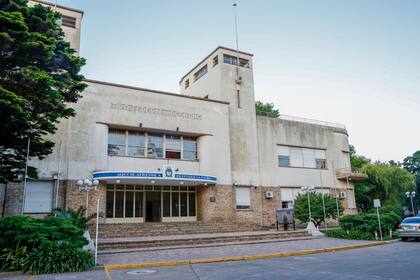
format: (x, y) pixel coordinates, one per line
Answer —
(76, 198)
(14, 199)
(218, 204)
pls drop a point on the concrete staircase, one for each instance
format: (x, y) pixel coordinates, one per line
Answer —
(127, 230)
(129, 237)
(136, 244)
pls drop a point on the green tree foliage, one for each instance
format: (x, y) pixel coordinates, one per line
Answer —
(357, 161)
(301, 208)
(386, 182)
(266, 109)
(412, 164)
(39, 77)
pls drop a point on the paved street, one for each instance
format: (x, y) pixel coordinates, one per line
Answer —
(393, 261)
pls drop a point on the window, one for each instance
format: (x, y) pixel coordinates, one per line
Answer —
(38, 197)
(284, 158)
(173, 147)
(301, 157)
(287, 204)
(215, 60)
(200, 73)
(135, 144)
(187, 83)
(242, 198)
(296, 157)
(155, 145)
(116, 142)
(320, 158)
(189, 148)
(68, 21)
(346, 160)
(229, 59)
(124, 201)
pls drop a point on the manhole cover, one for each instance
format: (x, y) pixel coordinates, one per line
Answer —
(141, 271)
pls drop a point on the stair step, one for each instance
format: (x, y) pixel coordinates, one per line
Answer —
(171, 241)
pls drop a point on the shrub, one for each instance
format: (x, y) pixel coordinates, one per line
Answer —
(31, 232)
(77, 217)
(58, 257)
(368, 222)
(352, 234)
(13, 259)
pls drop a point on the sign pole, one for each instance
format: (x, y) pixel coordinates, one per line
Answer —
(97, 227)
(377, 204)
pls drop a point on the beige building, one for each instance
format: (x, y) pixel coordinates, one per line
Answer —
(199, 155)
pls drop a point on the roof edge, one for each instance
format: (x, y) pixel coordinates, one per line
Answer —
(155, 91)
(59, 6)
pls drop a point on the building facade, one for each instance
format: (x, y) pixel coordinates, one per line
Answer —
(200, 155)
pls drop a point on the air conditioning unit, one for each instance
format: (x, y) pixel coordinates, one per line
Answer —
(269, 194)
(343, 195)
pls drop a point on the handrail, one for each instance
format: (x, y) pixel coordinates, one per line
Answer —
(349, 170)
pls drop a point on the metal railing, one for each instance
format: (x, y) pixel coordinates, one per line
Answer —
(346, 170)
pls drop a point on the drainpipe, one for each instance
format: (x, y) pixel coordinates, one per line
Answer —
(4, 200)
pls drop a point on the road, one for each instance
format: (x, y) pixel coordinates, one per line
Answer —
(400, 260)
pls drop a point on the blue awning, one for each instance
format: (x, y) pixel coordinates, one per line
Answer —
(163, 178)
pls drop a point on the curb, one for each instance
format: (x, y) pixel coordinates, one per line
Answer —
(241, 258)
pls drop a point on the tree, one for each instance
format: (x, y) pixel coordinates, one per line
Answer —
(39, 78)
(357, 161)
(266, 109)
(317, 212)
(386, 182)
(412, 165)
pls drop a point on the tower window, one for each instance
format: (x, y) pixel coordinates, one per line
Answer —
(200, 73)
(229, 59)
(68, 21)
(215, 60)
(187, 83)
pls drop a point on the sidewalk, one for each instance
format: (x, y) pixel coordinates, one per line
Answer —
(186, 254)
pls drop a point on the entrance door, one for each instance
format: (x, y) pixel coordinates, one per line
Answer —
(153, 202)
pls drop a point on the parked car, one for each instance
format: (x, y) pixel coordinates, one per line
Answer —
(409, 228)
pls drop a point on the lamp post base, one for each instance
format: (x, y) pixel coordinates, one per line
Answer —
(312, 230)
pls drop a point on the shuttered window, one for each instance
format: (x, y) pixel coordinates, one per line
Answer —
(243, 200)
(68, 21)
(38, 197)
(296, 158)
(289, 156)
(308, 158)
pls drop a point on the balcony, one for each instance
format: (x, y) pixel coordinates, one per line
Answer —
(354, 175)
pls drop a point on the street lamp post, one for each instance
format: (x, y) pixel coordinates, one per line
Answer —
(308, 190)
(87, 185)
(411, 195)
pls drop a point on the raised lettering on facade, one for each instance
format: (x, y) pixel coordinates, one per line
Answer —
(155, 111)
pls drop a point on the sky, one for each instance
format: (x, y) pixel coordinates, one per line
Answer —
(351, 62)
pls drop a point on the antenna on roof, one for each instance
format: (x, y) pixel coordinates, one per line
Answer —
(236, 34)
(238, 79)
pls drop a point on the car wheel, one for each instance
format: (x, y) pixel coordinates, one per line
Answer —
(404, 238)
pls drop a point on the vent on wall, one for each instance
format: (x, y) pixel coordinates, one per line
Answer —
(68, 21)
